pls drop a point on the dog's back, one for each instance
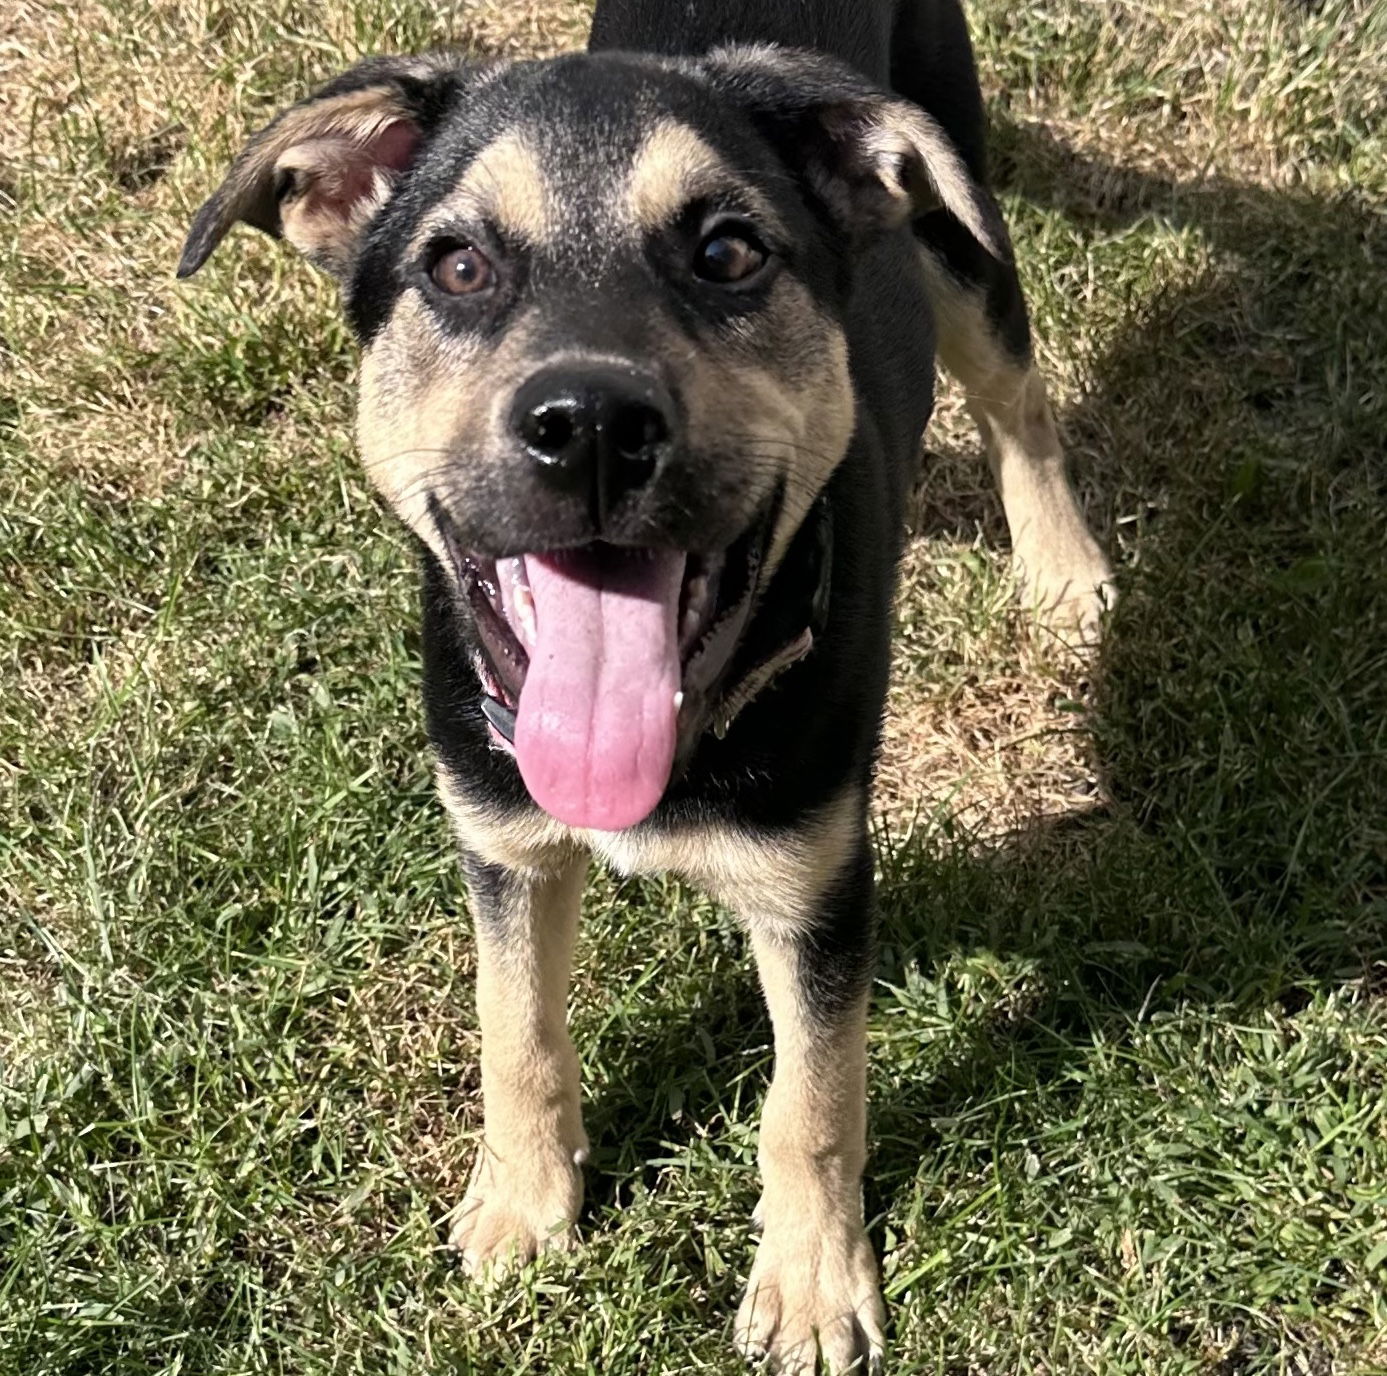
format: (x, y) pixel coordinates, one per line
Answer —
(856, 31)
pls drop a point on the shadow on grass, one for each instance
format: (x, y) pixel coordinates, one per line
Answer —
(1236, 424)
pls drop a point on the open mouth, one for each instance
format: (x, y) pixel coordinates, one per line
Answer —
(597, 663)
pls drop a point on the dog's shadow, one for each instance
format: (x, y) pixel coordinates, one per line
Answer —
(1224, 427)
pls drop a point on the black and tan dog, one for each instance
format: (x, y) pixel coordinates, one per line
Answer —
(648, 339)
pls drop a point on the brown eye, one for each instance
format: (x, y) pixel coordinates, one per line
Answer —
(462, 271)
(727, 256)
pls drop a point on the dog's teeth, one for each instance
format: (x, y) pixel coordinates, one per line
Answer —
(523, 602)
(678, 699)
(688, 625)
(510, 573)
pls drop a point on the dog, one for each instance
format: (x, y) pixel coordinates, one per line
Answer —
(648, 337)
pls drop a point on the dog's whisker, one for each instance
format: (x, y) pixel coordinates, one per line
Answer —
(400, 455)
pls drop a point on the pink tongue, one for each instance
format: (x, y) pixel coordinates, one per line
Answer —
(596, 725)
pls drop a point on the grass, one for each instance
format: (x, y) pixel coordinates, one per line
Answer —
(1129, 1045)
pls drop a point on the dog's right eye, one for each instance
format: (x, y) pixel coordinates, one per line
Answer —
(462, 271)
(729, 255)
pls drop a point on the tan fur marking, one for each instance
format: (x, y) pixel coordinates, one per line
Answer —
(530, 841)
(672, 167)
(506, 182)
(1064, 575)
(815, 1114)
(526, 1187)
(324, 142)
(425, 403)
(777, 889)
(814, 1279)
(795, 407)
(773, 880)
(904, 135)
(358, 116)
(324, 237)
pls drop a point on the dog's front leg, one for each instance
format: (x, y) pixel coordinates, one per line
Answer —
(526, 1186)
(813, 1286)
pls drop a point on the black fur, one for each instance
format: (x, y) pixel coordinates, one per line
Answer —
(815, 729)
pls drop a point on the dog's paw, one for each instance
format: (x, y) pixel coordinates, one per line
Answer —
(1070, 599)
(812, 1304)
(510, 1215)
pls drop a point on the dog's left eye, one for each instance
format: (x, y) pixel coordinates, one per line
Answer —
(729, 255)
(462, 271)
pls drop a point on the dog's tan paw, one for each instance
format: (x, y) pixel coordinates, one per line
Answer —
(509, 1216)
(1070, 598)
(812, 1304)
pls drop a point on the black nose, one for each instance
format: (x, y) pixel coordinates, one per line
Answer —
(597, 433)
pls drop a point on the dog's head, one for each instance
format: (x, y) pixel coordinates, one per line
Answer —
(604, 375)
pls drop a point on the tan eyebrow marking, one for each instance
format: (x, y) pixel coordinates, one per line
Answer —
(675, 166)
(506, 182)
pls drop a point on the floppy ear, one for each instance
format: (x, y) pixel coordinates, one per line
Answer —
(320, 170)
(874, 159)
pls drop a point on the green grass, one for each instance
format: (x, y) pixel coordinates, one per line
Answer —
(1129, 1058)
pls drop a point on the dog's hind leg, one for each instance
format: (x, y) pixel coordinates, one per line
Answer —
(807, 901)
(1063, 574)
(526, 1186)
(984, 342)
